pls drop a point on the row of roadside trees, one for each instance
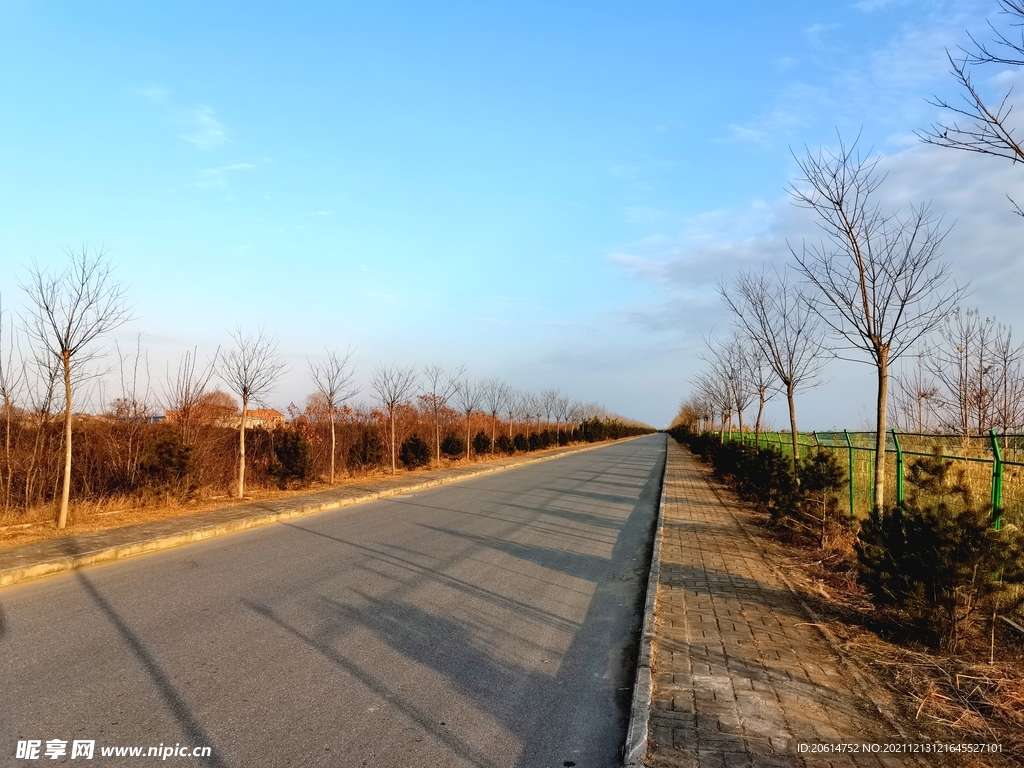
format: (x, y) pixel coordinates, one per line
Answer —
(175, 436)
(876, 289)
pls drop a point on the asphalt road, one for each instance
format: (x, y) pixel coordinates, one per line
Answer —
(490, 622)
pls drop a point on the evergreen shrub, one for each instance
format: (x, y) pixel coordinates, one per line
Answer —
(453, 446)
(937, 559)
(481, 443)
(414, 452)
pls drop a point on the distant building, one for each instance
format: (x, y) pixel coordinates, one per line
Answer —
(267, 418)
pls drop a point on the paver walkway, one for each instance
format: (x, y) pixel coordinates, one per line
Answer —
(741, 676)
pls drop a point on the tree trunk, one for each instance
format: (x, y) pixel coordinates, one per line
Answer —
(394, 466)
(792, 421)
(739, 412)
(333, 443)
(241, 447)
(467, 437)
(883, 392)
(437, 435)
(757, 424)
(65, 493)
(8, 413)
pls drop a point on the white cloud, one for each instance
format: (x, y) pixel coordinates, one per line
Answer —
(970, 192)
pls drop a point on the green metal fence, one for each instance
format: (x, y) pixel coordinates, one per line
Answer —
(992, 465)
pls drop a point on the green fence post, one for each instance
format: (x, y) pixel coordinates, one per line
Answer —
(899, 469)
(997, 482)
(849, 446)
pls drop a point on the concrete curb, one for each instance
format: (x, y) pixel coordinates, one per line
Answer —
(640, 712)
(74, 561)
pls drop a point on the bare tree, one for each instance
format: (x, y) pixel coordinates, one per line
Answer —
(980, 126)
(784, 329)
(563, 409)
(915, 397)
(11, 382)
(68, 312)
(878, 278)
(131, 410)
(713, 389)
(1008, 357)
(728, 366)
(468, 396)
(548, 405)
(250, 369)
(511, 410)
(42, 397)
(183, 392)
(977, 367)
(441, 383)
(762, 380)
(495, 394)
(393, 386)
(333, 380)
(527, 409)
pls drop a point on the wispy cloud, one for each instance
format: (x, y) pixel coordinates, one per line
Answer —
(877, 5)
(796, 106)
(204, 130)
(207, 131)
(816, 34)
(885, 87)
(218, 177)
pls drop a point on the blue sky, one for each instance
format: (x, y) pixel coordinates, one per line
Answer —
(543, 191)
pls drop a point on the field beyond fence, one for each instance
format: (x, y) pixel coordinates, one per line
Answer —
(992, 465)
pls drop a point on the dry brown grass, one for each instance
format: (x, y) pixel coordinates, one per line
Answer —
(37, 524)
(948, 698)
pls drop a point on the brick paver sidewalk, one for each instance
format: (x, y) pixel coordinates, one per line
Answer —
(741, 676)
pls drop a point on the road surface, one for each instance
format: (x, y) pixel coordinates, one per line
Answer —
(490, 622)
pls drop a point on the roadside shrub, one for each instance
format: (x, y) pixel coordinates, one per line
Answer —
(504, 444)
(803, 502)
(367, 450)
(937, 560)
(563, 438)
(520, 443)
(594, 430)
(535, 441)
(292, 454)
(453, 446)
(820, 477)
(414, 452)
(481, 443)
(167, 461)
